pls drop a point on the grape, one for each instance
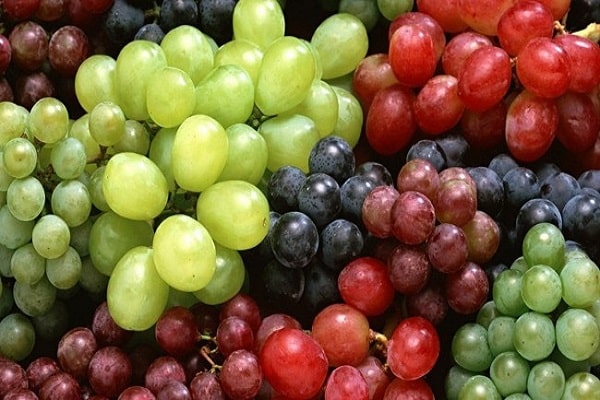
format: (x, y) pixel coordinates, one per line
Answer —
(176, 331)
(544, 244)
(15, 233)
(483, 237)
(319, 198)
(32, 87)
(372, 369)
(455, 380)
(243, 53)
(344, 382)
(533, 212)
(272, 323)
(234, 333)
(438, 93)
(228, 278)
(166, 84)
(67, 49)
(341, 241)
(282, 286)
(174, 13)
(283, 187)
(64, 271)
(25, 198)
(321, 105)
(353, 192)
(506, 292)
(40, 369)
(48, 120)
(509, 372)
(415, 40)
(428, 150)
(581, 385)
(413, 218)
(484, 130)
(68, 158)
(71, 201)
(17, 341)
(580, 218)
(490, 191)
(546, 380)
(121, 21)
(161, 371)
(106, 331)
(248, 154)
(332, 155)
(109, 371)
(19, 157)
(419, 175)
(523, 22)
(350, 116)
(500, 334)
(520, 184)
(447, 248)
(243, 306)
(579, 279)
(424, 20)
(577, 334)
(577, 122)
(534, 337)
(61, 385)
(75, 350)
(456, 202)
(50, 236)
(174, 390)
(294, 239)
(559, 188)
(206, 385)
(29, 45)
(409, 269)
(252, 13)
(151, 32)
(580, 50)
(215, 19)
(458, 49)
(479, 387)
(241, 375)
(94, 81)
(26, 265)
(467, 289)
(470, 348)
(320, 290)
(482, 16)
(372, 73)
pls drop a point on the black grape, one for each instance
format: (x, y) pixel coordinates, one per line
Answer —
(590, 179)
(559, 188)
(332, 155)
(533, 212)
(281, 287)
(353, 192)
(152, 32)
(294, 239)
(215, 19)
(429, 150)
(320, 199)
(283, 188)
(520, 184)
(341, 242)
(455, 147)
(490, 190)
(375, 171)
(502, 163)
(174, 13)
(581, 219)
(122, 21)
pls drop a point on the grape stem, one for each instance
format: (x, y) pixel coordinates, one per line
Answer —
(205, 353)
(379, 342)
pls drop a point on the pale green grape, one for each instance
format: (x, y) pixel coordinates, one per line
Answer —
(286, 74)
(455, 379)
(14, 233)
(365, 10)
(179, 298)
(34, 300)
(71, 201)
(582, 386)
(160, 152)
(17, 336)
(5, 258)
(2, 198)
(242, 53)
(259, 21)
(136, 294)
(506, 292)
(470, 348)
(344, 82)
(577, 334)
(546, 380)
(92, 280)
(541, 288)
(316, 59)
(80, 130)
(5, 177)
(188, 49)
(235, 213)
(479, 387)
(49, 120)
(170, 96)
(80, 236)
(248, 154)
(95, 81)
(51, 326)
(19, 157)
(520, 264)
(580, 282)
(390, 9)
(320, 105)
(68, 158)
(106, 123)
(487, 313)
(135, 64)
(112, 236)
(134, 187)
(290, 139)
(14, 121)
(26, 265)
(136, 138)
(199, 152)
(569, 366)
(64, 272)
(544, 243)
(534, 336)
(500, 334)
(51, 236)
(350, 116)
(184, 253)
(509, 372)
(226, 94)
(228, 279)
(95, 189)
(26, 198)
(340, 54)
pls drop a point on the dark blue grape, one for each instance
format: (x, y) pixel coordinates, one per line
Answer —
(429, 150)
(490, 190)
(375, 171)
(281, 287)
(455, 147)
(294, 239)
(581, 219)
(332, 155)
(215, 19)
(353, 192)
(590, 179)
(320, 290)
(320, 199)
(545, 170)
(559, 188)
(590, 191)
(341, 241)
(283, 188)
(493, 270)
(502, 163)
(174, 13)
(122, 21)
(533, 212)
(581, 13)
(520, 184)
(151, 32)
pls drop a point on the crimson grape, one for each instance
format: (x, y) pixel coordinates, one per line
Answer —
(75, 350)
(523, 21)
(578, 122)
(412, 53)
(241, 376)
(109, 371)
(29, 45)
(467, 289)
(437, 107)
(206, 385)
(106, 330)
(12, 376)
(270, 324)
(400, 389)
(233, 334)
(39, 370)
(176, 331)
(374, 72)
(456, 202)
(409, 268)
(174, 390)
(68, 47)
(19, 10)
(413, 217)
(163, 370)
(376, 376)
(447, 248)
(484, 130)
(429, 302)
(62, 385)
(419, 175)
(377, 210)
(459, 48)
(445, 13)
(425, 21)
(584, 61)
(136, 393)
(51, 10)
(346, 382)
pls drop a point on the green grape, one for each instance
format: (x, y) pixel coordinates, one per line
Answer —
(71, 201)
(112, 236)
(19, 157)
(51, 236)
(135, 64)
(170, 96)
(470, 347)
(572, 252)
(569, 366)
(350, 116)
(487, 313)
(6, 301)
(455, 380)
(235, 213)
(188, 49)
(340, 54)
(136, 138)
(534, 336)
(5, 259)
(95, 189)
(320, 105)
(184, 253)
(14, 233)
(228, 278)
(226, 94)
(68, 158)
(365, 10)
(248, 154)
(259, 21)
(544, 243)
(582, 386)
(541, 288)
(80, 130)
(520, 264)
(285, 76)
(106, 123)
(500, 334)
(2, 198)
(509, 372)
(80, 236)
(5, 177)
(390, 9)
(64, 272)
(14, 121)
(27, 266)
(518, 396)
(316, 59)
(51, 326)
(136, 294)
(34, 300)
(49, 120)
(199, 153)
(160, 152)
(179, 298)
(17, 336)
(26, 198)
(243, 53)
(479, 387)
(95, 81)
(92, 280)
(577, 334)
(344, 82)
(506, 292)
(134, 187)
(546, 381)
(290, 139)
(580, 282)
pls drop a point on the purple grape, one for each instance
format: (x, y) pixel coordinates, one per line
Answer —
(163, 370)
(110, 371)
(39, 370)
(12, 376)
(174, 390)
(106, 330)
(206, 386)
(29, 44)
(75, 350)
(60, 386)
(241, 376)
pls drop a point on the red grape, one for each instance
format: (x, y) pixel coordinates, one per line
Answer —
(409, 269)
(12, 376)
(21, 394)
(6, 92)
(584, 61)
(430, 302)
(558, 7)
(578, 123)
(523, 21)
(5, 54)
(75, 350)
(483, 237)
(233, 334)
(207, 317)
(176, 331)
(427, 22)
(346, 382)
(109, 371)
(456, 202)
(467, 289)
(206, 386)
(400, 389)
(419, 175)
(377, 210)
(459, 48)
(68, 48)
(241, 376)
(270, 324)
(412, 55)
(106, 330)
(60, 386)
(51, 10)
(437, 106)
(244, 306)
(374, 372)
(30, 88)
(484, 130)
(161, 371)
(39, 370)
(447, 248)
(445, 13)
(174, 390)
(96, 6)
(413, 217)
(20, 10)
(372, 73)
(29, 45)
(483, 15)
(136, 393)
